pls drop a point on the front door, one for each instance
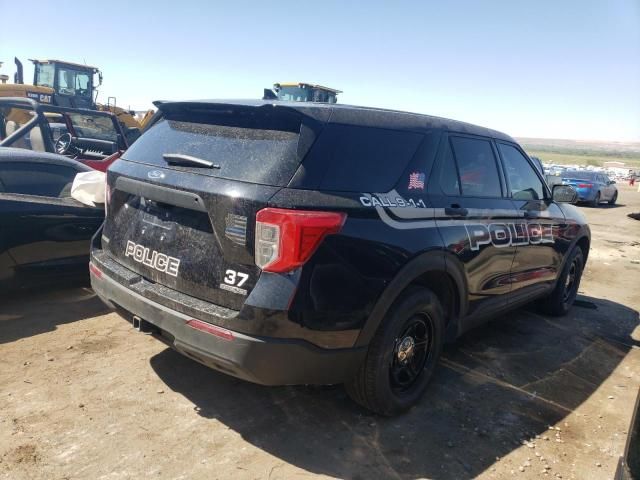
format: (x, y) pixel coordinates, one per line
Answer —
(540, 244)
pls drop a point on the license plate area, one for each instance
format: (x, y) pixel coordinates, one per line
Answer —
(166, 244)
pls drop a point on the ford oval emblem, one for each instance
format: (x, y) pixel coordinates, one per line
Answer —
(155, 174)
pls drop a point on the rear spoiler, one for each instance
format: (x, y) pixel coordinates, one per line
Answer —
(261, 115)
(307, 122)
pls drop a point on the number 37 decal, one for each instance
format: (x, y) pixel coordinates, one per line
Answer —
(231, 277)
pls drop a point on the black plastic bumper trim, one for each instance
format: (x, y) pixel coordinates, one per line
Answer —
(263, 360)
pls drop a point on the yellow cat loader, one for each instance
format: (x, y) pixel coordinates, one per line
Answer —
(68, 84)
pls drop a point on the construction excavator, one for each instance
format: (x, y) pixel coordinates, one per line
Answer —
(67, 84)
(301, 92)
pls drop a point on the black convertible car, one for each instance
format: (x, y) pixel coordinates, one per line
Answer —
(44, 232)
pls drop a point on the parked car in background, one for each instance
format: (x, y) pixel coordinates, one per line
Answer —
(92, 137)
(592, 187)
(44, 233)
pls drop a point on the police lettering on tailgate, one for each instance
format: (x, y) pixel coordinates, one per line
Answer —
(156, 260)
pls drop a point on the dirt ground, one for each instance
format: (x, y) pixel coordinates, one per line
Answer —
(526, 396)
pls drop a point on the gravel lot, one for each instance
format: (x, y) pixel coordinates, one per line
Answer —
(526, 396)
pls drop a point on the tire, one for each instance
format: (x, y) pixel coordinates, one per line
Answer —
(560, 301)
(384, 382)
(613, 199)
(596, 201)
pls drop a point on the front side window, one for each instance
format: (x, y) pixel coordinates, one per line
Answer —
(74, 82)
(477, 167)
(524, 183)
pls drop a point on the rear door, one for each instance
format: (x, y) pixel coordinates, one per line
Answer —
(189, 224)
(473, 217)
(540, 248)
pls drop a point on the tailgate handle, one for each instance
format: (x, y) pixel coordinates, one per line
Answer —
(161, 194)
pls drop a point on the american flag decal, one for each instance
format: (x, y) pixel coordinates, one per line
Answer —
(416, 181)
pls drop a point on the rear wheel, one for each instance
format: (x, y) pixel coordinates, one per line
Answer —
(596, 201)
(613, 199)
(560, 301)
(402, 355)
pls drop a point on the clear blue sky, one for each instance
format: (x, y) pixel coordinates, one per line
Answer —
(543, 68)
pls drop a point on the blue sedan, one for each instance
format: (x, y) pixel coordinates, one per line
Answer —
(592, 187)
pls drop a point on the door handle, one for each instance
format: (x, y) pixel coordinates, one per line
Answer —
(456, 211)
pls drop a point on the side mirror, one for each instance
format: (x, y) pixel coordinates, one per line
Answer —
(611, 182)
(564, 194)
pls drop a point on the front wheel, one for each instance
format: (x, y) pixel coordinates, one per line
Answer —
(613, 199)
(560, 301)
(402, 355)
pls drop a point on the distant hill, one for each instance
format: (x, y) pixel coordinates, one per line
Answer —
(582, 152)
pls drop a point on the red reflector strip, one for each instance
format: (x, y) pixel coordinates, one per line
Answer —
(212, 329)
(95, 270)
(585, 185)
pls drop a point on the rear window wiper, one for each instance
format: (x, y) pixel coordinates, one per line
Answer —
(187, 160)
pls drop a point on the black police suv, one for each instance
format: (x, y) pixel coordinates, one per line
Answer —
(289, 243)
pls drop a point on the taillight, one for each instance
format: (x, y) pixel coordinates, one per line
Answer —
(107, 195)
(95, 270)
(585, 185)
(212, 329)
(286, 239)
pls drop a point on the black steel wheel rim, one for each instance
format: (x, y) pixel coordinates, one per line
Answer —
(570, 282)
(411, 351)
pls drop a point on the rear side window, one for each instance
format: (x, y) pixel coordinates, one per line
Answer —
(477, 167)
(253, 155)
(352, 158)
(39, 179)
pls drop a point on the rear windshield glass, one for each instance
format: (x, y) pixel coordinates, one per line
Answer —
(354, 159)
(266, 157)
(579, 175)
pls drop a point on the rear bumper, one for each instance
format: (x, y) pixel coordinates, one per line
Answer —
(263, 360)
(586, 194)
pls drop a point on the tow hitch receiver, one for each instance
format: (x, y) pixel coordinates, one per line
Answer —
(143, 326)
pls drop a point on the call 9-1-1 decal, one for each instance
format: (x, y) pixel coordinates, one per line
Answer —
(369, 200)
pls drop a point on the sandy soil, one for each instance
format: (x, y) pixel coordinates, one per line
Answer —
(526, 396)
